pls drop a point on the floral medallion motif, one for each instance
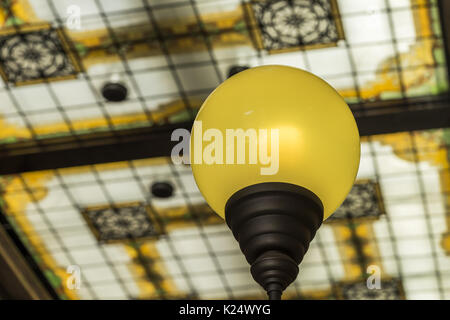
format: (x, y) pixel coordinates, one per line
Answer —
(35, 56)
(285, 24)
(121, 223)
(363, 202)
(389, 290)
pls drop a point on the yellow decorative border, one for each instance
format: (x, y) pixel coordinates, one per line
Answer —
(348, 254)
(428, 150)
(16, 203)
(146, 287)
(17, 199)
(164, 112)
(388, 80)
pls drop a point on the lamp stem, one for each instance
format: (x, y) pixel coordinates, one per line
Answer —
(274, 295)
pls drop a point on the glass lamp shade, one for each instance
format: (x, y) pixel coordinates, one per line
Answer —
(318, 140)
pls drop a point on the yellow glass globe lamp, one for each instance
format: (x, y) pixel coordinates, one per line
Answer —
(275, 151)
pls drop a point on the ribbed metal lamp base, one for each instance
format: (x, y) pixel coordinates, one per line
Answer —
(274, 224)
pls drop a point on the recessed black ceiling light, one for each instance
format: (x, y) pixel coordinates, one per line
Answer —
(236, 69)
(162, 189)
(114, 91)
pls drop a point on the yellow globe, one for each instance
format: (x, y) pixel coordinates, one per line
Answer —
(318, 140)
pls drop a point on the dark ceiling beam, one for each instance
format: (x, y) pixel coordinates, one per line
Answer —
(393, 116)
(20, 277)
(86, 149)
(140, 143)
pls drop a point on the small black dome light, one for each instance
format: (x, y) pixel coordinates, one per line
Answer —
(236, 69)
(162, 189)
(114, 91)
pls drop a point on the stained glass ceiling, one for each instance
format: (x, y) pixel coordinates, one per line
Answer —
(171, 54)
(131, 243)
